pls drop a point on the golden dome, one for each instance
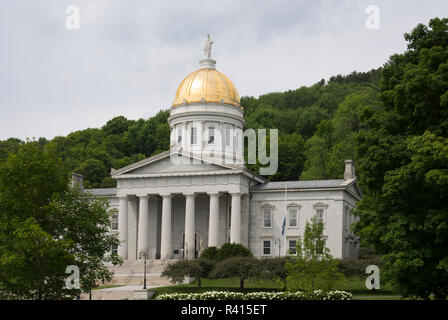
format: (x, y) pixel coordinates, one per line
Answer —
(208, 84)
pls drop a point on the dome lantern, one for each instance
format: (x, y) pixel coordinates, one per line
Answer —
(207, 84)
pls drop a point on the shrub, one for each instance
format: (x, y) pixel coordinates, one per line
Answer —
(225, 295)
(273, 269)
(356, 267)
(210, 253)
(228, 250)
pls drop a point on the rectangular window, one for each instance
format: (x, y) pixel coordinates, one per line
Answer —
(211, 135)
(267, 218)
(115, 249)
(320, 215)
(227, 137)
(230, 216)
(266, 247)
(179, 135)
(114, 222)
(293, 217)
(194, 135)
(292, 246)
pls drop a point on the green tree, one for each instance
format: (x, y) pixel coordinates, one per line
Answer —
(308, 120)
(317, 158)
(32, 262)
(94, 171)
(334, 140)
(199, 268)
(86, 222)
(273, 269)
(402, 158)
(313, 267)
(46, 226)
(291, 157)
(237, 266)
(9, 145)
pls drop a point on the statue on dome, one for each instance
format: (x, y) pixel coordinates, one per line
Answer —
(208, 47)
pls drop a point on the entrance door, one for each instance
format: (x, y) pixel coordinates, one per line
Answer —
(197, 243)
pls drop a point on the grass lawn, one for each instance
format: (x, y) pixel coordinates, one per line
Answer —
(107, 286)
(358, 288)
(355, 285)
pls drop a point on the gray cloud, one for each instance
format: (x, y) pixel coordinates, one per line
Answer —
(129, 56)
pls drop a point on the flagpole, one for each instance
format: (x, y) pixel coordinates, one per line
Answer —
(286, 214)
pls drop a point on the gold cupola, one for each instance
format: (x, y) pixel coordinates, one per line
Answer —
(207, 85)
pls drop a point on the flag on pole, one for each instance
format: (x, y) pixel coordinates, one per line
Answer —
(284, 223)
(283, 226)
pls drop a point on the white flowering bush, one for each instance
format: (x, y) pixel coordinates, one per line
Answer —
(226, 295)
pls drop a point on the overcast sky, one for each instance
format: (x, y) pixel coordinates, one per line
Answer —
(128, 57)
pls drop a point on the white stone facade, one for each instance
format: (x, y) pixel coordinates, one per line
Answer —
(177, 215)
(340, 240)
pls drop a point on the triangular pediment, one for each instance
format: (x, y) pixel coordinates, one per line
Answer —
(170, 163)
(353, 187)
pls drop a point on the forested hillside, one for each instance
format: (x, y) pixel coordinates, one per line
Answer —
(316, 126)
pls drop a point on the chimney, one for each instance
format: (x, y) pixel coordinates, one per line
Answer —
(349, 172)
(77, 181)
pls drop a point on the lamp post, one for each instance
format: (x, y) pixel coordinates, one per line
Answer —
(277, 241)
(144, 272)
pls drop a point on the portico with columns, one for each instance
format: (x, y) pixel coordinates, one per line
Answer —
(166, 216)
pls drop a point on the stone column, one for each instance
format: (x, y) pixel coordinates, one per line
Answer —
(132, 227)
(213, 222)
(123, 227)
(143, 227)
(189, 225)
(235, 223)
(166, 246)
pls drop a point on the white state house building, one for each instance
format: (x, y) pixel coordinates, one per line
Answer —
(199, 193)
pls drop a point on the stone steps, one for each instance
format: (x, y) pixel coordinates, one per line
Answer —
(137, 266)
(134, 280)
(130, 277)
(131, 273)
(109, 295)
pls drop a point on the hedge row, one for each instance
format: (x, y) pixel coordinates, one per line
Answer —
(225, 295)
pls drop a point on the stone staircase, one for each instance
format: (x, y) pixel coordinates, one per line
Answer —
(130, 277)
(131, 273)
